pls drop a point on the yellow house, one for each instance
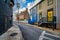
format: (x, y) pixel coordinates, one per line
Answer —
(49, 11)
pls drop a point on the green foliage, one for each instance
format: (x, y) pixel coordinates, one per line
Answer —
(21, 19)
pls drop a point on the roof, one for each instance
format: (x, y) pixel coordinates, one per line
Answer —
(35, 3)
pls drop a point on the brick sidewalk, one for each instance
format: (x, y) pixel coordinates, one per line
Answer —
(13, 33)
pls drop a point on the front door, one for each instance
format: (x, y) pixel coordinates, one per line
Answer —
(50, 15)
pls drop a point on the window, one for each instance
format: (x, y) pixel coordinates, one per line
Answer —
(50, 2)
(40, 6)
(12, 1)
(40, 15)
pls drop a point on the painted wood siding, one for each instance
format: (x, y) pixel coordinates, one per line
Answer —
(34, 14)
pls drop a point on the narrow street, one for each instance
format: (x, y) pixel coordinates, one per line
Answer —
(29, 20)
(31, 33)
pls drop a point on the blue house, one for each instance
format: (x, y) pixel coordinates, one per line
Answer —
(33, 15)
(6, 14)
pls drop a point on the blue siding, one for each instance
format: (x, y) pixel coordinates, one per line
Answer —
(5, 10)
(33, 15)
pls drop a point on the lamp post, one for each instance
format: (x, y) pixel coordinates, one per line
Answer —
(18, 6)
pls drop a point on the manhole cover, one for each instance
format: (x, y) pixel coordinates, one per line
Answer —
(13, 34)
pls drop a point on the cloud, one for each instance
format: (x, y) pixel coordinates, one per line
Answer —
(23, 9)
(20, 10)
(34, 3)
(29, 4)
(24, 0)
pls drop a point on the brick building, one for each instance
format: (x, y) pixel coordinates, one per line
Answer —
(24, 14)
(21, 17)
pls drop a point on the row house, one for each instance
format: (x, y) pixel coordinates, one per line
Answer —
(33, 19)
(6, 15)
(47, 13)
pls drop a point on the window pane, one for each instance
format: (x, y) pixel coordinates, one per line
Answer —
(40, 6)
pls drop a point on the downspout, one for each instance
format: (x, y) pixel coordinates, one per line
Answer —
(56, 15)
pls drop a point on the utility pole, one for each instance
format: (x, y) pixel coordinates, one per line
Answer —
(18, 6)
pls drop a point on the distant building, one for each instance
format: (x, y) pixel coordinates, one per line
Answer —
(6, 14)
(17, 17)
(24, 14)
(21, 17)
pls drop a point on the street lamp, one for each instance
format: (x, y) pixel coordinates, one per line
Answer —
(18, 6)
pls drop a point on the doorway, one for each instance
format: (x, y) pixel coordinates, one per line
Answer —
(50, 15)
(6, 23)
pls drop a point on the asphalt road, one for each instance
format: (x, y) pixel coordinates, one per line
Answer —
(32, 33)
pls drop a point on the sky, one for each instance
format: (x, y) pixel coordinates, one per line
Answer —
(23, 4)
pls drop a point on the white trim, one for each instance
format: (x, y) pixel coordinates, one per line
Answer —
(52, 35)
(42, 35)
(48, 38)
(35, 3)
(37, 13)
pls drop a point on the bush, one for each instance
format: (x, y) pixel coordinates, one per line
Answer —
(21, 19)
